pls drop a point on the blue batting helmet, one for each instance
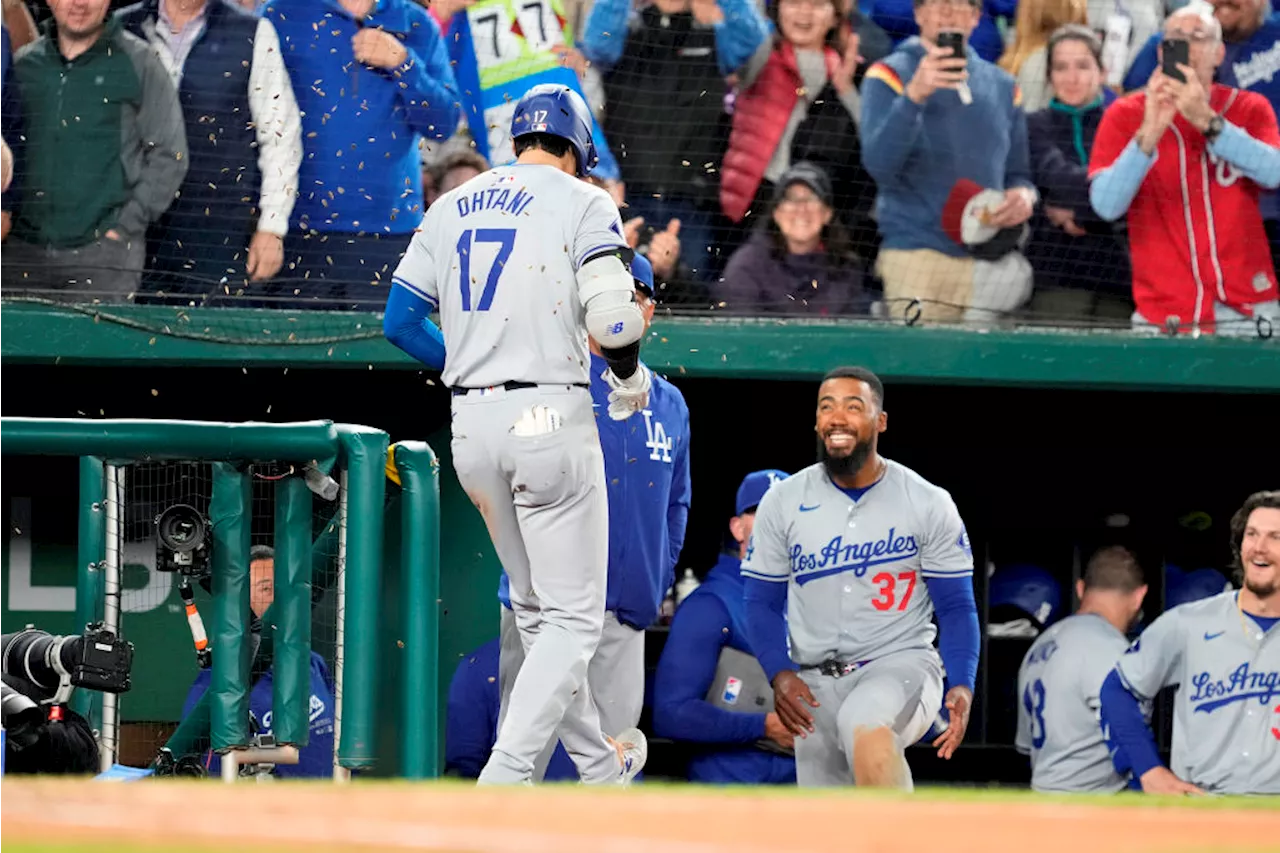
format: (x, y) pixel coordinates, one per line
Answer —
(557, 111)
(642, 272)
(1029, 588)
(1193, 586)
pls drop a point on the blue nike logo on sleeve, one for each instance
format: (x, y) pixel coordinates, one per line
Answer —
(804, 508)
(1209, 636)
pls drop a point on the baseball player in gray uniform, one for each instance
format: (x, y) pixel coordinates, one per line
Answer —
(854, 555)
(524, 262)
(1223, 652)
(1062, 674)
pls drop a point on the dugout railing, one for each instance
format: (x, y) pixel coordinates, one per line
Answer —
(346, 473)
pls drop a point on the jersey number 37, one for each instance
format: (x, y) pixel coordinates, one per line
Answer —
(505, 238)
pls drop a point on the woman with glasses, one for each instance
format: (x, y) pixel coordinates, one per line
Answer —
(801, 260)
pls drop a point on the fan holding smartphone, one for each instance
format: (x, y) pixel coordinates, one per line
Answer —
(1174, 52)
(953, 41)
(1190, 51)
(1201, 266)
(944, 137)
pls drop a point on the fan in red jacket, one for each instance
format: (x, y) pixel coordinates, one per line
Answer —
(1186, 161)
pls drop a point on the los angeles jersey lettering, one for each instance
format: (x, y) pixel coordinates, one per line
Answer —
(1226, 723)
(856, 568)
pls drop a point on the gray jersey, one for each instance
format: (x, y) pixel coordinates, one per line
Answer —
(499, 256)
(1226, 720)
(1058, 686)
(855, 568)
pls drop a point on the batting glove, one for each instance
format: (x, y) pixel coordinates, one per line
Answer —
(628, 395)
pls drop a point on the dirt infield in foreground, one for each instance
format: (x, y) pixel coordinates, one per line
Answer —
(151, 816)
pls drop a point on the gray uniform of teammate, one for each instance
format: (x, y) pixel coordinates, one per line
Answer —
(856, 594)
(1226, 719)
(1058, 686)
(508, 257)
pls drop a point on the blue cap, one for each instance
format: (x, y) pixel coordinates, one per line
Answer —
(642, 272)
(753, 487)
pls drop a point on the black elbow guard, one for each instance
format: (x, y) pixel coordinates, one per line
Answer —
(623, 361)
(622, 253)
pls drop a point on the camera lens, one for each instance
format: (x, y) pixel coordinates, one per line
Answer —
(181, 529)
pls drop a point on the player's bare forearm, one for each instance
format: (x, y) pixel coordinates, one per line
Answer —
(959, 701)
(792, 700)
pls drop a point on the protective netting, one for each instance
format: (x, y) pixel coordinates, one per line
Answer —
(783, 158)
(167, 680)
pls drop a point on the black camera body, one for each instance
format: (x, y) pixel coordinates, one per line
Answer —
(46, 667)
(103, 663)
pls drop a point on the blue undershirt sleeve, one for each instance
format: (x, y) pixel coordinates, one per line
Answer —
(1133, 747)
(959, 638)
(407, 324)
(767, 624)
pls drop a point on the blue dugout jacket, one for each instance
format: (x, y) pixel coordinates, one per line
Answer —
(471, 721)
(646, 468)
(712, 617)
(316, 758)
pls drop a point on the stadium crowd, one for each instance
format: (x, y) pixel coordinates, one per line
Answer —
(1062, 162)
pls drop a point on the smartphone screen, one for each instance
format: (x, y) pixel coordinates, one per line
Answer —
(1174, 52)
(954, 40)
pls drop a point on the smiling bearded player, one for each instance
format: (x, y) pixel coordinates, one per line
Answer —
(1224, 653)
(836, 556)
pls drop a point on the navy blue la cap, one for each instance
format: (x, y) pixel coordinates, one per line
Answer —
(753, 487)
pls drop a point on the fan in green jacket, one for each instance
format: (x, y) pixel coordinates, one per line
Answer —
(105, 153)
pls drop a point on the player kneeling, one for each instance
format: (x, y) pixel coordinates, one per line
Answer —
(859, 552)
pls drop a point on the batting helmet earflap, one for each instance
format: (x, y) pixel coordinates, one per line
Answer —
(1029, 588)
(557, 110)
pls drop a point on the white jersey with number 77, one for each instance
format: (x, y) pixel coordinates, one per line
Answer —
(499, 256)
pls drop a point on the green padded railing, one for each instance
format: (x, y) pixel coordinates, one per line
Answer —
(316, 443)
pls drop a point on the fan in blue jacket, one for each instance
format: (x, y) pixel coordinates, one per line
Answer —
(713, 617)
(369, 88)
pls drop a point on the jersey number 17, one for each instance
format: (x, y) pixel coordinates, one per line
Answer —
(506, 240)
